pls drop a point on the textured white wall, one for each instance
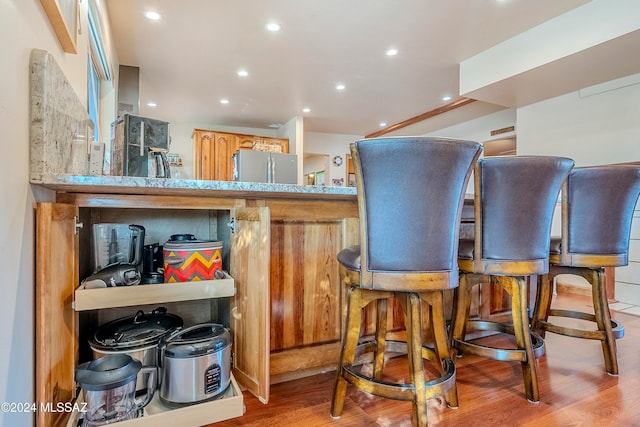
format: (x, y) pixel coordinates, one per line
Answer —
(479, 129)
(628, 278)
(597, 125)
(23, 26)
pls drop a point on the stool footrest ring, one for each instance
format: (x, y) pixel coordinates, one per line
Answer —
(519, 355)
(435, 387)
(616, 328)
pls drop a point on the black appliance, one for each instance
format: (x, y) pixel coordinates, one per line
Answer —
(132, 137)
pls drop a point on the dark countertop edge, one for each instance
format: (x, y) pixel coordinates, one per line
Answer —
(189, 187)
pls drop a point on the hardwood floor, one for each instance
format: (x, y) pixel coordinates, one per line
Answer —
(575, 390)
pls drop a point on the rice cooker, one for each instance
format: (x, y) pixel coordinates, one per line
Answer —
(137, 336)
(195, 363)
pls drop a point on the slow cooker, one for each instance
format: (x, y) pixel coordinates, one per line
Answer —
(195, 363)
(188, 259)
(137, 336)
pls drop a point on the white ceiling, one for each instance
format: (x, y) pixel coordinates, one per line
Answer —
(189, 59)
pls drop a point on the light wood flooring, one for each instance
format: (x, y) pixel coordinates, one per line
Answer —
(575, 390)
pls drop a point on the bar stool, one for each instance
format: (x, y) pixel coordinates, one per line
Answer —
(597, 209)
(514, 202)
(410, 195)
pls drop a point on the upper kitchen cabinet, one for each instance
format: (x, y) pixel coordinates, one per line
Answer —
(213, 151)
(263, 143)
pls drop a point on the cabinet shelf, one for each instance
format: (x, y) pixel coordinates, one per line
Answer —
(229, 405)
(125, 296)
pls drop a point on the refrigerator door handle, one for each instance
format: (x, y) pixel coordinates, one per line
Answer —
(141, 139)
(273, 169)
(270, 170)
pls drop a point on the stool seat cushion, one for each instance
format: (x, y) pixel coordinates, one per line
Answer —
(466, 248)
(350, 258)
(555, 246)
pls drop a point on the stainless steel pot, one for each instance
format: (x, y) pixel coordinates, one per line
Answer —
(195, 363)
(137, 336)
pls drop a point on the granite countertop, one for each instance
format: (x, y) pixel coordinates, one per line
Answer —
(188, 187)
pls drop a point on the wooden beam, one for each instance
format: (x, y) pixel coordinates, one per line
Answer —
(424, 116)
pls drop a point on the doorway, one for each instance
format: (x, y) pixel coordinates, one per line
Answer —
(500, 147)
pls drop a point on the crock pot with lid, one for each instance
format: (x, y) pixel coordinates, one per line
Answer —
(137, 336)
(188, 259)
(196, 363)
(135, 332)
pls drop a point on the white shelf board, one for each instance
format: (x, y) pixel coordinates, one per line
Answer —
(229, 405)
(125, 296)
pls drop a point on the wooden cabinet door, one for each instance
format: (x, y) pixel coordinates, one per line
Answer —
(246, 142)
(56, 321)
(251, 142)
(225, 145)
(203, 146)
(213, 153)
(250, 307)
(307, 296)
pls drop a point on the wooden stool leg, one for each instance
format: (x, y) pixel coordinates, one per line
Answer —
(348, 352)
(414, 351)
(381, 337)
(461, 307)
(544, 295)
(441, 341)
(517, 287)
(603, 319)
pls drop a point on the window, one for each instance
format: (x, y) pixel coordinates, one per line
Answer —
(93, 91)
(98, 67)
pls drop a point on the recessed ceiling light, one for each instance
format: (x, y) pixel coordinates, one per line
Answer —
(446, 98)
(224, 101)
(151, 104)
(273, 26)
(154, 16)
(391, 52)
(382, 124)
(306, 110)
(340, 86)
(243, 73)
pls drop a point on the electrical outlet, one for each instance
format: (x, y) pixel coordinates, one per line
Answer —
(96, 158)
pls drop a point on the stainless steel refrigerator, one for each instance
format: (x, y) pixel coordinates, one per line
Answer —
(264, 166)
(131, 138)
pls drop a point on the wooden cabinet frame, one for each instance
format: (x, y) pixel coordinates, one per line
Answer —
(57, 278)
(56, 321)
(255, 366)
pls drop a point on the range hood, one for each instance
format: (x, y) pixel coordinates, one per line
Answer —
(128, 90)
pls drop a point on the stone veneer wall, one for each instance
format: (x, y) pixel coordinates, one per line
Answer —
(628, 278)
(58, 117)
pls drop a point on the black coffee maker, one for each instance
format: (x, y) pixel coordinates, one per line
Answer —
(122, 273)
(152, 264)
(134, 140)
